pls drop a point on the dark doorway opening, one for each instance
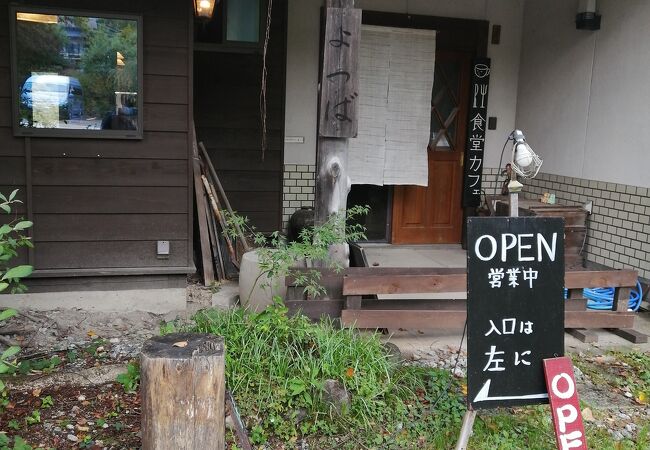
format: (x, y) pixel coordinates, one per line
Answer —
(377, 222)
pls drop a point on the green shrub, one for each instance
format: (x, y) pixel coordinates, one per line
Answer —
(276, 366)
(11, 240)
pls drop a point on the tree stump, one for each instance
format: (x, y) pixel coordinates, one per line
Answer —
(182, 387)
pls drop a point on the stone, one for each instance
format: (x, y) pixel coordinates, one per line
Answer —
(587, 415)
(73, 438)
(336, 395)
(230, 424)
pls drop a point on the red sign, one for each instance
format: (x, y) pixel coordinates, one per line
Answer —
(563, 396)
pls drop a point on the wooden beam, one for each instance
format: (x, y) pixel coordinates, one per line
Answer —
(439, 320)
(447, 304)
(404, 284)
(424, 280)
(338, 114)
(598, 319)
(631, 335)
(315, 309)
(445, 320)
(622, 298)
(600, 278)
(340, 76)
(582, 335)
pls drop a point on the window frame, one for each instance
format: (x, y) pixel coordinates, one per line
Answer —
(226, 46)
(19, 131)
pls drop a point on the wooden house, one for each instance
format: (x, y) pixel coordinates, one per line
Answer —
(110, 189)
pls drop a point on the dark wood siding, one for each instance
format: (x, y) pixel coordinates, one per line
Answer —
(102, 203)
(227, 117)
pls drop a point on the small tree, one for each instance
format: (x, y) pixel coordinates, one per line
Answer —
(11, 240)
(279, 258)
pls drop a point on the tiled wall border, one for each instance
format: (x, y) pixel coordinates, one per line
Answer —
(618, 230)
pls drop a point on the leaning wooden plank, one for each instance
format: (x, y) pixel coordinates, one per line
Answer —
(217, 213)
(631, 335)
(222, 192)
(440, 320)
(201, 211)
(214, 243)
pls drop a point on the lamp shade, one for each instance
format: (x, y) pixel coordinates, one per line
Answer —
(203, 9)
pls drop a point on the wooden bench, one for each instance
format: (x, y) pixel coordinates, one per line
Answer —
(362, 309)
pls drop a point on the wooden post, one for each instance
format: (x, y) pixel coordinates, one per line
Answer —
(466, 429)
(182, 387)
(339, 94)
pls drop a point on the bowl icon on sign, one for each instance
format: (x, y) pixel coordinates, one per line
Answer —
(481, 70)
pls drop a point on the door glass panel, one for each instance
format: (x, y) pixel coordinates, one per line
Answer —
(451, 71)
(444, 105)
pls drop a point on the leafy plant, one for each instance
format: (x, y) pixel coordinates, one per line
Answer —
(279, 258)
(131, 378)
(47, 402)
(38, 365)
(11, 240)
(19, 443)
(34, 417)
(7, 361)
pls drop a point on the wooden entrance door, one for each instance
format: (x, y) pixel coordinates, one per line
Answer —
(433, 214)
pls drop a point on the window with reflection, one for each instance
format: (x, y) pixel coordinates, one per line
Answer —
(76, 75)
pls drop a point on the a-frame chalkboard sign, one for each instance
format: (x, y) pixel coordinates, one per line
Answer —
(515, 307)
(515, 310)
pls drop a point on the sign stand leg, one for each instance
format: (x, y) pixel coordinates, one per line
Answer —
(466, 429)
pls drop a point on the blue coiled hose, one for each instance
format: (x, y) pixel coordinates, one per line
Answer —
(603, 298)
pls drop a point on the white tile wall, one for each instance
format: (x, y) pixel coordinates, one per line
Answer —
(298, 187)
(618, 231)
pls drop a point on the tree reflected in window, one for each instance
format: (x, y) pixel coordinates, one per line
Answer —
(75, 72)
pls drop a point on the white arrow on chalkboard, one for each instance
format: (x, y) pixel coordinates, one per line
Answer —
(484, 395)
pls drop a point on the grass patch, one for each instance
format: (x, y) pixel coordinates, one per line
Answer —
(277, 366)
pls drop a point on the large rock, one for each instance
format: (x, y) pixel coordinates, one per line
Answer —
(336, 395)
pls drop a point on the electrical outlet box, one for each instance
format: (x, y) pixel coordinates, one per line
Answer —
(162, 249)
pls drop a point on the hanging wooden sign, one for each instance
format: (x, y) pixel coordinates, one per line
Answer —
(515, 307)
(476, 126)
(340, 76)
